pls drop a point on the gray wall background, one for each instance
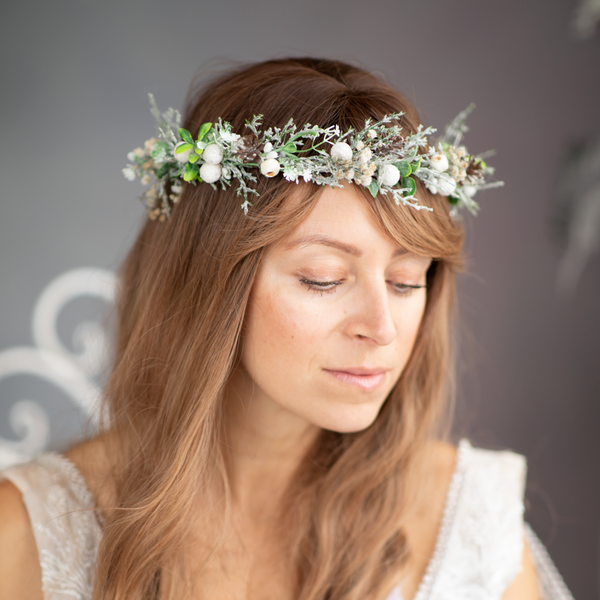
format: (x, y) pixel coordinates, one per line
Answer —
(74, 80)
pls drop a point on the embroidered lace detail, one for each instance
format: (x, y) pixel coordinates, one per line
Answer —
(477, 555)
(480, 541)
(65, 524)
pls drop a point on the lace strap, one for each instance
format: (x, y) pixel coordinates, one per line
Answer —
(480, 547)
(551, 584)
(64, 523)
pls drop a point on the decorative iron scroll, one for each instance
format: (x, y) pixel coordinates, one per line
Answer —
(73, 372)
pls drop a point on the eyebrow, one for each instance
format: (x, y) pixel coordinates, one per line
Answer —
(323, 240)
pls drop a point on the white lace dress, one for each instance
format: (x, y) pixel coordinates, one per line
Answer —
(477, 554)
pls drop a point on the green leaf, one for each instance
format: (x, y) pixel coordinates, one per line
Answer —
(404, 168)
(164, 170)
(185, 135)
(374, 188)
(159, 149)
(198, 151)
(204, 130)
(416, 165)
(193, 158)
(183, 148)
(410, 185)
(453, 199)
(290, 148)
(191, 172)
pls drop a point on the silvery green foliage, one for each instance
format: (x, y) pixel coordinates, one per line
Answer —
(380, 157)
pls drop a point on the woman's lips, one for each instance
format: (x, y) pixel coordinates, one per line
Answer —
(365, 379)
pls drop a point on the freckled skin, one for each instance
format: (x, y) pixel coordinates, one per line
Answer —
(293, 335)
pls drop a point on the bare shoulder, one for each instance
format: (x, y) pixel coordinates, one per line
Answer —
(20, 572)
(92, 459)
(525, 585)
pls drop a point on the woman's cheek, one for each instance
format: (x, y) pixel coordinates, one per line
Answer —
(283, 327)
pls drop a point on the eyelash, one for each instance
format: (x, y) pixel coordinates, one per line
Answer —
(322, 287)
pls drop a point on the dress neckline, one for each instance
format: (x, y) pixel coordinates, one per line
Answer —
(436, 560)
(451, 503)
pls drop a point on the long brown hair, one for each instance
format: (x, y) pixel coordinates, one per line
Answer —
(184, 290)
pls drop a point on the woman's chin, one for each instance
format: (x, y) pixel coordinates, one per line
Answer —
(350, 420)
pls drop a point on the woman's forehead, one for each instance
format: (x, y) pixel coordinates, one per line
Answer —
(341, 218)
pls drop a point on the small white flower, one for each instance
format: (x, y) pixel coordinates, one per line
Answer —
(212, 154)
(390, 175)
(131, 156)
(176, 189)
(210, 173)
(271, 154)
(270, 167)
(139, 152)
(183, 157)
(341, 152)
(229, 136)
(291, 175)
(360, 145)
(372, 134)
(439, 162)
(129, 173)
(365, 180)
(146, 179)
(350, 175)
(365, 156)
(268, 147)
(307, 175)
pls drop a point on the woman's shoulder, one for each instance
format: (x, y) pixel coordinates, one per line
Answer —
(93, 462)
(50, 528)
(20, 572)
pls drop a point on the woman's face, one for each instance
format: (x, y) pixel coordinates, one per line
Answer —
(333, 316)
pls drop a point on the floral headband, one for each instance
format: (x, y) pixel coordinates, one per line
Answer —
(380, 157)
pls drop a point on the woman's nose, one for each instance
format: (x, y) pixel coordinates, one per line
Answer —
(371, 315)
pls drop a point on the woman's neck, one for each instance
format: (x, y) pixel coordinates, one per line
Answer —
(264, 445)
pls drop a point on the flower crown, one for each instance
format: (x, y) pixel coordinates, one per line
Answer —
(380, 157)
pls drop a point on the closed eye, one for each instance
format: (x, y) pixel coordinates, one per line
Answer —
(324, 287)
(405, 289)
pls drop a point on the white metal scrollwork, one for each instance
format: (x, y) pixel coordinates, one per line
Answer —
(73, 372)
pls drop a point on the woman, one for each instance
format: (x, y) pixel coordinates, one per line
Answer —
(277, 407)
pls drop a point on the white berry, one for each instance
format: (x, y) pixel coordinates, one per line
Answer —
(341, 152)
(268, 147)
(212, 154)
(446, 186)
(390, 175)
(183, 156)
(469, 190)
(210, 173)
(270, 167)
(439, 162)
